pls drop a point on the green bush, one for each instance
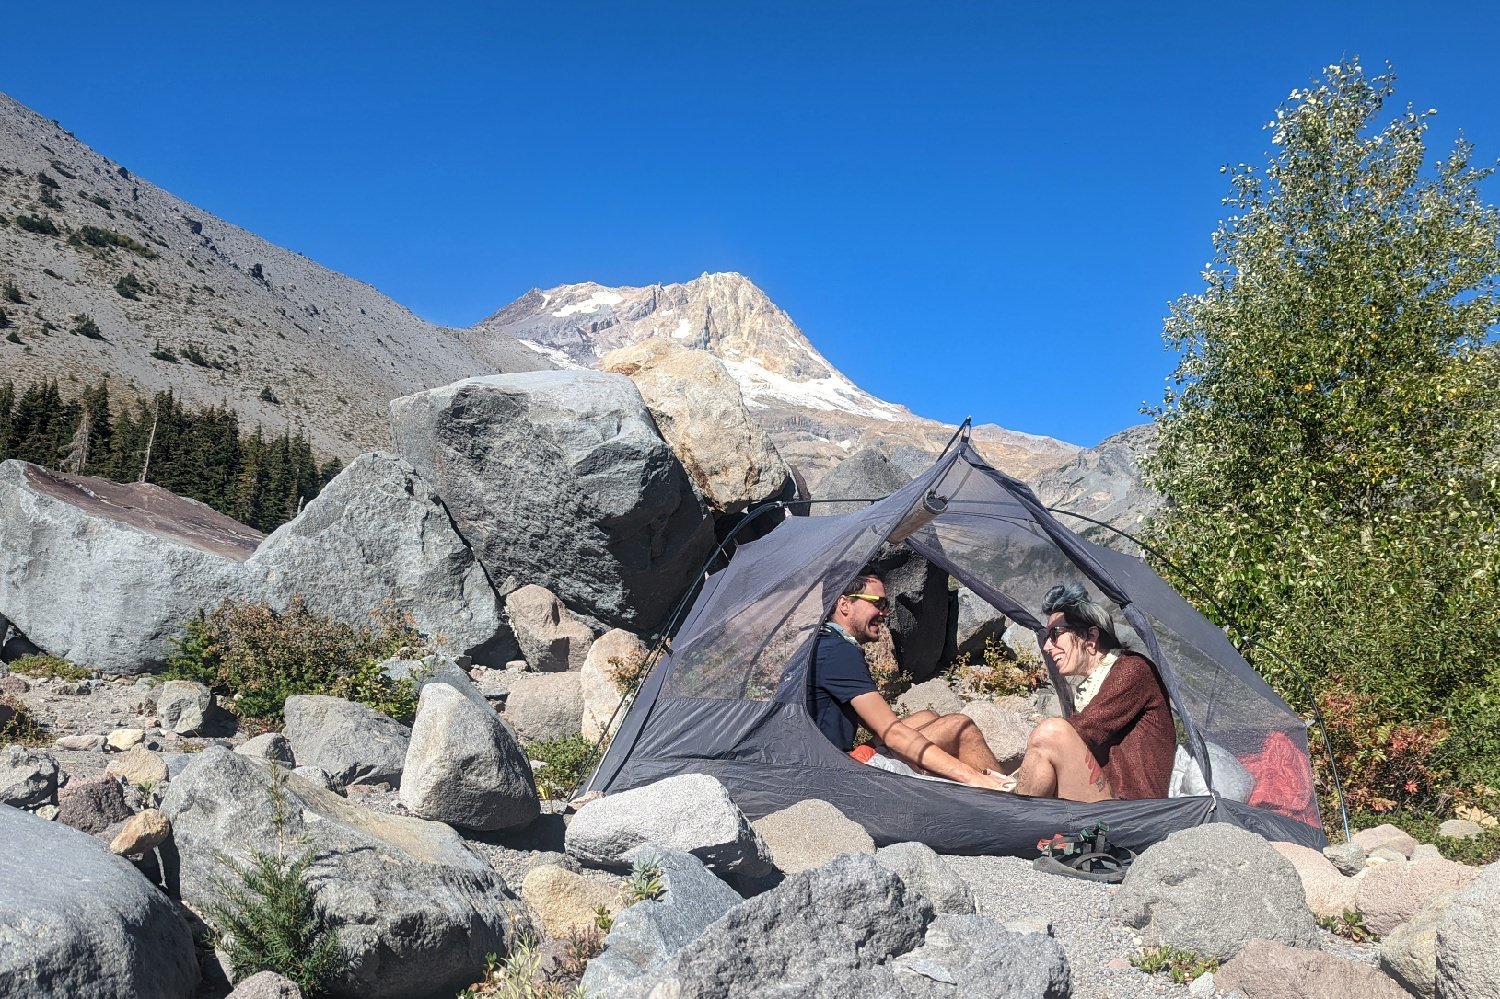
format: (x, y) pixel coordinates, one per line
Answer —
(93, 235)
(84, 325)
(259, 657)
(568, 763)
(129, 286)
(42, 225)
(52, 667)
(12, 294)
(17, 723)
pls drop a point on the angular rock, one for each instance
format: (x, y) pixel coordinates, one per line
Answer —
(139, 767)
(437, 669)
(976, 624)
(1468, 964)
(1388, 836)
(1006, 729)
(826, 932)
(514, 456)
(144, 831)
(691, 812)
(968, 955)
(92, 804)
(266, 985)
(77, 923)
(809, 834)
(1349, 858)
(182, 705)
(1409, 952)
(379, 536)
(865, 475)
(413, 908)
(318, 777)
(1426, 851)
(1264, 969)
(925, 873)
(930, 695)
(552, 640)
(1175, 893)
(650, 931)
(272, 746)
(104, 574)
(463, 766)
(28, 777)
(566, 902)
(610, 652)
(1328, 891)
(1391, 894)
(122, 739)
(699, 410)
(353, 743)
(543, 705)
(918, 621)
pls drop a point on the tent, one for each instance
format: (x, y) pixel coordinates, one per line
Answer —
(729, 698)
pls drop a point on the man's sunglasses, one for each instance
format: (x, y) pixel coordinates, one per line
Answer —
(881, 603)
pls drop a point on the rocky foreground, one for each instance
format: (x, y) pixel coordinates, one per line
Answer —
(430, 849)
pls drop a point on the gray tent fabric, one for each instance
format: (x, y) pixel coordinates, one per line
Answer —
(729, 699)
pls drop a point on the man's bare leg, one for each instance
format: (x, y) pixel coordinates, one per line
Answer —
(1058, 764)
(957, 735)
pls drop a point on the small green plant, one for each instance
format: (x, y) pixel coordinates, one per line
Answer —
(269, 918)
(163, 355)
(998, 673)
(17, 723)
(566, 764)
(92, 235)
(604, 920)
(644, 883)
(129, 286)
(84, 325)
(260, 656)
(46, 180)
(266, 395)
(41, 225)
(12, 294)
(45, 666)
(1181, 966)
(11, 336)
(1350, 925)
(519, 976)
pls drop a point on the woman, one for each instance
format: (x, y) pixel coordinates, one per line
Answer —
(1120, 741)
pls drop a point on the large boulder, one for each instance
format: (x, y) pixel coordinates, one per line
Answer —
(1005, 724)
(651, 931)
(865, 475)
(825, 932)
(1468, 964)
(92, 804)
(353, 743)
(809, 834)
(1386, 837)
(930, 695)
(1265, 969)
(463, 766)
(28, 777)
(928, 875)
(1409, 952)
(377, 536)
(78, 923)
(105, 574)
(1390, 894)
(976, 624)
(700, 412)
(691, 812)
(610, 652)
(1175, 893)
(918, 592)
(414, 910)
(968, 955)
(1327, 890)
(559, 478)
(543, 705)
(550, 637)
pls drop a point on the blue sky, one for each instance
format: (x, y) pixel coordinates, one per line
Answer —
(971, 209)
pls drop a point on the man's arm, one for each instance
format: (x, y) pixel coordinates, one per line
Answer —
(915, 750)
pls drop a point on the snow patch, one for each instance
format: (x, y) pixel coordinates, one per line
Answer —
(835, 393)
(684, 329)
(556, 356)
(590, 304)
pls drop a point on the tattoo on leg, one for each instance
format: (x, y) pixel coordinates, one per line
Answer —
(1096, 775)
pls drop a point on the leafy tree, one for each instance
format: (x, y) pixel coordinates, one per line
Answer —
(1329, 444)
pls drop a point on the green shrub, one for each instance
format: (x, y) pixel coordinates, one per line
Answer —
(95, 236)
(12, 294)
(129, 286)
(260, 657)
(519, 976)
(52, 667)
(644, 883)
(11, 336)
(42, 225)
(1350, 925)
(45, 180)
(1179, 965)
(164, 355)
(266, 395)
(84, 325)
(17, 723)
(999, 673)
(568, 763)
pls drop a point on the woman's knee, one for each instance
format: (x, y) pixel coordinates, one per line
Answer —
(1050, 734)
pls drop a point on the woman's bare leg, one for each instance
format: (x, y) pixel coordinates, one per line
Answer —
(1058, 765)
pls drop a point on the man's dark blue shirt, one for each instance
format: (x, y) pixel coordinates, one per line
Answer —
(839, 674)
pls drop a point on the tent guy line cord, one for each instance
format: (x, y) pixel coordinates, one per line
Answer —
(1252, 643)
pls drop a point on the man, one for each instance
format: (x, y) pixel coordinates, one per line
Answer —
(842, 696)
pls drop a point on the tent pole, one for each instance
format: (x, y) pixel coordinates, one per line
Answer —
(1333, 766)
(962, 429)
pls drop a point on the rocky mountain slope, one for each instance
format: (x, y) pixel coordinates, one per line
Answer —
(102, 273)
(815, 414)
(1104, 483)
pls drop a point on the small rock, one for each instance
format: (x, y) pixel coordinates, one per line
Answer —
(933, 695)
(1386, 835)
(1460, 829)
(14, 685)
(266, 985)
(92, 804)
(271, 746)
(1387, 855)
(927, 874)
(353, 743)
(809, 834)
(1349, 858)
(1328, 892)
(318, 776)
(144, 831)
(122, 739)
(551, 638)
(80, 743)
(1203, 985)
(138, 766)
(1426, 851)
(48, 812)
(28, 777)
(183, 705)
(565, 902)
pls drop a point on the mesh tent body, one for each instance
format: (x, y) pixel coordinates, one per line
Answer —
(730, 697)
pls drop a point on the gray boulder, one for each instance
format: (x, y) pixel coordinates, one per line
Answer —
(1409, 952)
(266, 985)
(1349, 858)
(828, 932)
(967, 955)
(463, 767)
(1175, 893)
(918, 592)
(378, 535)
(551, 638)
(543, 705)
(649, 932)
(415, 911)
(435, 669)
(925, 873)
(78, 923)
(930, 695)
(182, 705)
(691, 812)
(105, 574)
(1390, 894)
(1468, 964)
(1386, 836)
(809, 834)
(270, 746)
(1006, 726)
(28, 777)
(514, 456)
(976, 624)
(865, 475)
(353, 743)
